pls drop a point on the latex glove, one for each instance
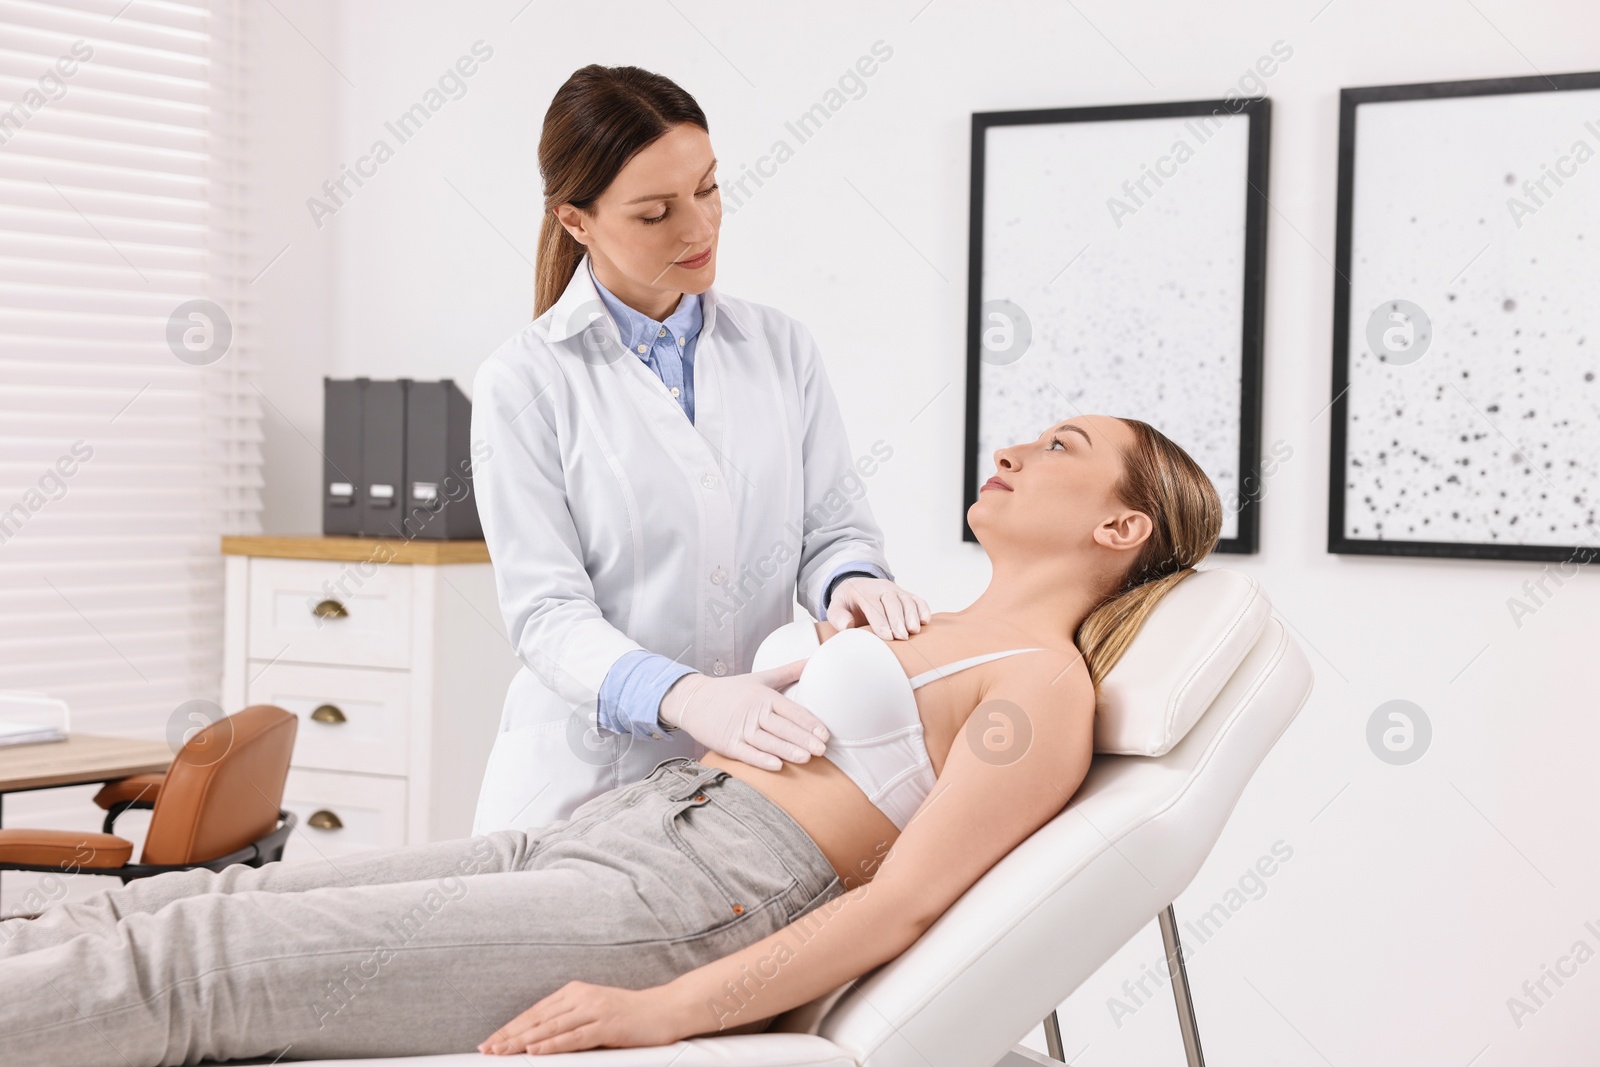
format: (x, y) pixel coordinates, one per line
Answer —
(877, 602)
(744, 717)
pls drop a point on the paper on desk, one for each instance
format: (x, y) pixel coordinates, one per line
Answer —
(31, 718)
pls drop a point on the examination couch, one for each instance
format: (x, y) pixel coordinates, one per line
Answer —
(1183, 721)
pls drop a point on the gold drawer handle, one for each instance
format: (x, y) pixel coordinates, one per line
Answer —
(330, 609)
(329, 714)
(324, 820)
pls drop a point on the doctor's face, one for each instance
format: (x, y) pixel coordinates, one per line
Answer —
(1059, 490)
(653, 233)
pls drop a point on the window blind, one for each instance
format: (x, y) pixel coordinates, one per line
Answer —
(130, 434)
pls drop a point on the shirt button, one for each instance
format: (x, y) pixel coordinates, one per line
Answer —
(656, 736)
(680, 340)
(674, 390)
(717, 576)
(644, 348)
(709, 481)
(720, 668)
(661, 332)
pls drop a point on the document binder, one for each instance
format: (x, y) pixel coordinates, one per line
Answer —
(383, 457)
(439, 500)
(341, 456)
(397, 460)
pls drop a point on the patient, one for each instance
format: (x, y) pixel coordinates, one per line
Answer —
(708, 897)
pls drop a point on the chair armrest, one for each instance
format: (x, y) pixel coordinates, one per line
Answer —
(64, 849)
(135, 791)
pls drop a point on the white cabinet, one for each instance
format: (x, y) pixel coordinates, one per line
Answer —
(394, 658)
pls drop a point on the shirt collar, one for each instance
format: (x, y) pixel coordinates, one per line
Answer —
(580, 302)
(640, 329)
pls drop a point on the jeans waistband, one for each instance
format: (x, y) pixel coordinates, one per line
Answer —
(683, 777)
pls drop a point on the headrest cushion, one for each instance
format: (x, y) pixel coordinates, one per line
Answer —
(1189, 646)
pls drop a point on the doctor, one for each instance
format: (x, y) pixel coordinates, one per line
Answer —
(662, 470)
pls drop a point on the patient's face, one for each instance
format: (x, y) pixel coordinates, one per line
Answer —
(1061, 485)
(662, 208)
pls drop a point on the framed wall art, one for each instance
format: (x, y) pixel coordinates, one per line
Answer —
(1117, 267)
(1465, 399)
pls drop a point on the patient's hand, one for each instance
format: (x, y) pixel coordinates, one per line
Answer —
(581, 1016)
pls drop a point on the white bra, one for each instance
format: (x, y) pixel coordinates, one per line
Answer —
(854, 683)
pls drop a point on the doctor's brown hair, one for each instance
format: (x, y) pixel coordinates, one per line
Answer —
(598, 120)
(1163, 481)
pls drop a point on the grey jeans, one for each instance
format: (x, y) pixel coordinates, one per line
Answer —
(410, 951)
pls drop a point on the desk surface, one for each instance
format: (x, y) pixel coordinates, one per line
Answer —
(357, 549)
(80, 758)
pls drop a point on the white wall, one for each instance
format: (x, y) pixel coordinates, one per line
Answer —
(1418, 898)
(294, 105)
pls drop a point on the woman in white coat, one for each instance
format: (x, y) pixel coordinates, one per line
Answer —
(661, 470)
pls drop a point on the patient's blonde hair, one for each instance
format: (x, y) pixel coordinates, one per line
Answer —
(1163, 481)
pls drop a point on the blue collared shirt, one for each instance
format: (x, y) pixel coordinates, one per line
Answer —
(630, 696)
(666, 347)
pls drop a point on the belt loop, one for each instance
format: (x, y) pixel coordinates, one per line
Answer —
(662, 763)
(690, 782)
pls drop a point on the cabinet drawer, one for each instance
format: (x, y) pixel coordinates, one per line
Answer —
(351, 718)
(369, 810)
(325, 611)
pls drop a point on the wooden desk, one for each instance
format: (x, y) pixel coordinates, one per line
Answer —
(79, 760)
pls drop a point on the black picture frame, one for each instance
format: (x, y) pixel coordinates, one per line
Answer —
(1257, 111)
(1350, 101)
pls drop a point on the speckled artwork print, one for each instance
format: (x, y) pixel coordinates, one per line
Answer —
(1483, 212)
(1123, 244)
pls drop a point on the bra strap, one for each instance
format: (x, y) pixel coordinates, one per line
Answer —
(960, 665)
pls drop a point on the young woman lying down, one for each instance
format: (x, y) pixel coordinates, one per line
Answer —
(712, 895)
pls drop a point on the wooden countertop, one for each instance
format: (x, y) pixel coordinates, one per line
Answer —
(80, 758)
(358, 549)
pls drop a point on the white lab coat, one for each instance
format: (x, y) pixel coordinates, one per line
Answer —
(615, 524)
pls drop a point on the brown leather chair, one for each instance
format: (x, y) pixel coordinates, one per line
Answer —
(217, 804)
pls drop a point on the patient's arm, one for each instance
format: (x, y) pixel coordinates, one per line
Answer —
(1001, 781)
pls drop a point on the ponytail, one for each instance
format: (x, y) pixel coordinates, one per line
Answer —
(1163, 481)
(1109, 629)
(555, 263)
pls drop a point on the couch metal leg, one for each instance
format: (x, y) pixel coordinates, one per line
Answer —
(1180, 994)
(1180, 988)
(1052, 1038)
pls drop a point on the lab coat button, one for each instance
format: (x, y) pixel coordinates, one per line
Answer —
(717, 576)
(709, 481)
(720, 668)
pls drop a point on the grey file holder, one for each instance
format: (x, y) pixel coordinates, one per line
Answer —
(397, 460)
(341, 456)
(438, 462)
(383, 457)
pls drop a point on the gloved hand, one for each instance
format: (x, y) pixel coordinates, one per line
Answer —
(744, 717)
(889, 610)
